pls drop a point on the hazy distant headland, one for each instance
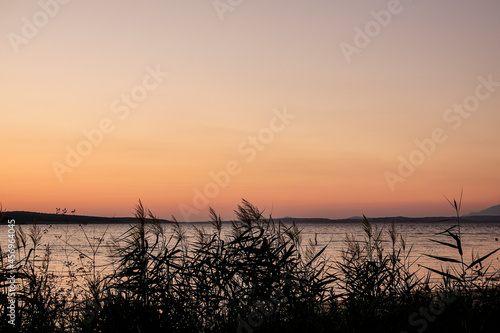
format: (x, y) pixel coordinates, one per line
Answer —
(491, 211)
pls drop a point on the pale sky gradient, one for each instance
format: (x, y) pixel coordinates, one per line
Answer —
(225, 78)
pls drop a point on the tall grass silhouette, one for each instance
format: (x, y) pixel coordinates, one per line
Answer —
(472, 276)
(253, 275)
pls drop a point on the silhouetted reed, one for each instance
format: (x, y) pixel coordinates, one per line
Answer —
(253, 276)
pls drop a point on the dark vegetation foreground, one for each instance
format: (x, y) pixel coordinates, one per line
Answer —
(258, 278)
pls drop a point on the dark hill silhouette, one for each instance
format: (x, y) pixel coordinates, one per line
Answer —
(44, 218)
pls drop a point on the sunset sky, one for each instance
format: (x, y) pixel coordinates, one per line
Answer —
(304, 108)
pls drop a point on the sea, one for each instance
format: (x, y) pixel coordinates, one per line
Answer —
(74, 245)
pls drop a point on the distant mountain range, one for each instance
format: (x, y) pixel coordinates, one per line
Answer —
(492, 211)
(491, 214)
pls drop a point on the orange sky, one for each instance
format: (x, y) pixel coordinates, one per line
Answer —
(304, 108)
